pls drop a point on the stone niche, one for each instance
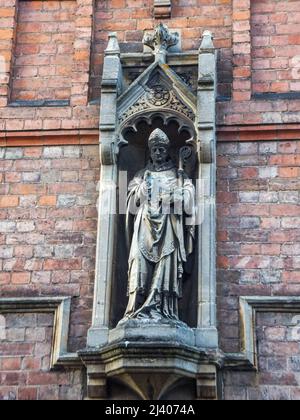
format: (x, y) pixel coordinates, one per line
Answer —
(159, 107)
(161, 361)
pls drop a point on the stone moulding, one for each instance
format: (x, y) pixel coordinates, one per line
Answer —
(162, 9)
(249, 307)
(131, 361)
(61, 308)
(143, 60)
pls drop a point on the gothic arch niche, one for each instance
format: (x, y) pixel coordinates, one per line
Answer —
(158, 98)
(134, 156)
(136, 132)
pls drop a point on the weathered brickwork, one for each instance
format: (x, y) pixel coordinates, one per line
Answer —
(258, 227)
(131, 18)
(43, 58)
(49, 173)
(231, 21)
(76, 116)
(25, 348)
(276, 46)
(48, 227)
(279, 362)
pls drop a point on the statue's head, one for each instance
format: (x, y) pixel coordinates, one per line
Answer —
(159, 145)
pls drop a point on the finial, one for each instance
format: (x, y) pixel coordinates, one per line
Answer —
(113, 44)
(207, 41)
(160, 41)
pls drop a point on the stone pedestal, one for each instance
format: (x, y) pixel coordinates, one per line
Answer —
(150, 331)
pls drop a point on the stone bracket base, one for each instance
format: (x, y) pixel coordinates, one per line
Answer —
(96, 382)
(162, 364)
(207, 388)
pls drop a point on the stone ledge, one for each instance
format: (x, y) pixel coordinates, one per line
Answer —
(51, 103)
(188, 58)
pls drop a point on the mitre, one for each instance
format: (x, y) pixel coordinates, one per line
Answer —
(158, 138)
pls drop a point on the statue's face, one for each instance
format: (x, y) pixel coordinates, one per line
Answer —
(159, 154)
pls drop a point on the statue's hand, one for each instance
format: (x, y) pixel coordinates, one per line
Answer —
(178, 195)
(147, 176)
(143, 190)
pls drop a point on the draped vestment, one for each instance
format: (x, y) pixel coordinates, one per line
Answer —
(160, 239)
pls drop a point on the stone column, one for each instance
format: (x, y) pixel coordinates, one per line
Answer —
(111, 85)
(206, 333)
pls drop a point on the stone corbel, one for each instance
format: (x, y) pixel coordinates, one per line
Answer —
(207, 383)
(96, 382)
(162, 9)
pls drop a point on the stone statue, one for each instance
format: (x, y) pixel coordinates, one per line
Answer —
(161, 235)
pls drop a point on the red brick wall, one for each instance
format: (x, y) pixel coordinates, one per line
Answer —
(276, 46)
(44, 50)
(229, 20)
(259, 254)
(131, 18)
(47, 236)
(279, 362)
(48, 227)
(25, 347)
(68, 37)
(48, 194)
(258, 227)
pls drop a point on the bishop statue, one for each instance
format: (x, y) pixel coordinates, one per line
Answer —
(160, 234)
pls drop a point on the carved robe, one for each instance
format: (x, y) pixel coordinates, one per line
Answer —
(161, 241)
